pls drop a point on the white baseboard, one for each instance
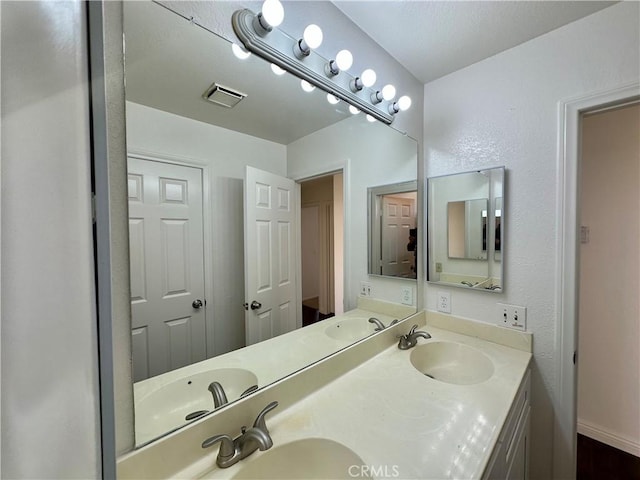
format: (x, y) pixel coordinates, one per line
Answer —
(600, 434)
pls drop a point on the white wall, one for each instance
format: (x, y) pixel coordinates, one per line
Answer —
(50, 411)
(225, 154)
(373, 155)
(504, 111)
(609, 331)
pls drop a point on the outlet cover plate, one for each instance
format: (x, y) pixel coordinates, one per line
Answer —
(365, 289)
(444, 302)
(406, 295)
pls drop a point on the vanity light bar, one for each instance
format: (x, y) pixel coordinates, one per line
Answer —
(277, 47)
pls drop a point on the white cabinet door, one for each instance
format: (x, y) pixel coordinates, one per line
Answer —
(166, 265)
(270, 255)
(518, 469)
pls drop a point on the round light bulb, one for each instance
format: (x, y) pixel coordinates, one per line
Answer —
(353, 110)
(404, 103)
(368, 77)
(240, 52)
(332, 99)
(277, 70)
(273, 12)
(312, 36)
(370, 118)
(306, 86)
(388, 92)
(344, 60)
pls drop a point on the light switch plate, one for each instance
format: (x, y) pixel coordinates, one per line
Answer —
(511, 316)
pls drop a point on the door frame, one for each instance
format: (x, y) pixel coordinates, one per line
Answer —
(207, 233)
(344, 166)
(570, 113)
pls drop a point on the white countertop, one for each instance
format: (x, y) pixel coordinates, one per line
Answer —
(268, 361)
(393, 416)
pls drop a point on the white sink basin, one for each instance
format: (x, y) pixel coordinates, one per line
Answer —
(311, 458)
(351, 329)
(452, 363)
(166, 407)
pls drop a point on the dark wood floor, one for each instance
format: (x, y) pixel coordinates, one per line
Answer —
(597, 461)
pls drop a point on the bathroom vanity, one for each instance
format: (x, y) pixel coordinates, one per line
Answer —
(454, 406)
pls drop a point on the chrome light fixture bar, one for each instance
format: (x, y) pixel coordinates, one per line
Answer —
(277, 47)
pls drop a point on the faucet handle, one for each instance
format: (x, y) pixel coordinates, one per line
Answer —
(227, 449)
(260, 422)
(413, 329)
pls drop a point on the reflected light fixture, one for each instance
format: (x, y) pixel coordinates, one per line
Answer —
(311, 39)
(277, 70)
(240, 52)
(306, 86)
(370, 118)
(353, 110)
(260, 35)
(332, 99)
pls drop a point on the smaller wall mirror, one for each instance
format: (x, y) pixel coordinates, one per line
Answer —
(393, 232)
(465, 229)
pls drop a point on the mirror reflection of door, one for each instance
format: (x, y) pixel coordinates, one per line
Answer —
(270, 233)
(321, 247)
(166, 262)
(398, 221)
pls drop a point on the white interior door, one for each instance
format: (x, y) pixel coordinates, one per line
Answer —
(167, 266)
(398, 217)
(270, 255)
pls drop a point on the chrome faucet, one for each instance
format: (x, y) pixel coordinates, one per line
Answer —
(379, 325)
(219, 397)
(468, 284)
(410, 340)
(251, 439)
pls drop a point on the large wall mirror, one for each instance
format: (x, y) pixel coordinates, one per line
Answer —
(214, 141)
(465, 229)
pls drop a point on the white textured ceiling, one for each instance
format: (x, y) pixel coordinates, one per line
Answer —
(434, 38)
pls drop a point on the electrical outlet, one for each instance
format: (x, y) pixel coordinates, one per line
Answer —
(511, 316)
(438, 267)
(406, 295)
(444, 302)
(365, 289)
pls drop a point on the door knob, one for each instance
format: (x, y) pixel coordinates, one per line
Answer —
(255, 305)
(197, 303)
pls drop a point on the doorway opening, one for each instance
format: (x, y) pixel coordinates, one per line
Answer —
(321, 238)
(608, 360)
(571, 113)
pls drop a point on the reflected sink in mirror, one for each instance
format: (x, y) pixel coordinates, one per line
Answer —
(166, 407)
(452, 363)
(311, 458)
(351, 329)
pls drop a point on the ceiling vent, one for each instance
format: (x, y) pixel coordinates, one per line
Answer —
(225, 96)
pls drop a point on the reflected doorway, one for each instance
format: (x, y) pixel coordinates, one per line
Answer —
(321, 221)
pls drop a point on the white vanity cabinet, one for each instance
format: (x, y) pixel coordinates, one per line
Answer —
(510, 458)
